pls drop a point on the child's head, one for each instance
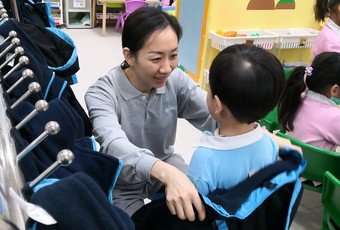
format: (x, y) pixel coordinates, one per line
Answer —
(327, 8)
(247, 80)
(323, 77)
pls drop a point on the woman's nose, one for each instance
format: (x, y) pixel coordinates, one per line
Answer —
(165, 66)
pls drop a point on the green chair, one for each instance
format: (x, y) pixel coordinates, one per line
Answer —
(318, 162)
(331, 202)
(288, 71)
(270, 121)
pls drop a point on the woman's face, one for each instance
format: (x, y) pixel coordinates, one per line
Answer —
(152, 65)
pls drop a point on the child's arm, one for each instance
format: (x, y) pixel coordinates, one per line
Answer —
(282, 142)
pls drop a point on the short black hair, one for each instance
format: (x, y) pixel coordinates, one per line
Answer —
(140, 24)
(248, 80)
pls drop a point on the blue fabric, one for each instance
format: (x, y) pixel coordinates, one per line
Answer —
(51, 47)
(223, 162)
(69, 40)
(57, 48)
(297, 189)
(25, 39)
(44, 182)
(250, 190)
(31, 12)
(62, 90)
(77, 203)
(74, 79)
(70, 137)
(51, 86)
(50, 18)
(92, 162)
(248, 205)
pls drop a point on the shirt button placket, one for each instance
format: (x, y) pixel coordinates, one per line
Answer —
(145, 98)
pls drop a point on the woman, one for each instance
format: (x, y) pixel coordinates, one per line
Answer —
(134, 110)
(328, 38)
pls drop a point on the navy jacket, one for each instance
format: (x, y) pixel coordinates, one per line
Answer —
(266, 200)
(77, 203)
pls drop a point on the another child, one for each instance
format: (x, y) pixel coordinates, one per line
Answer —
(245, 83)
(306, 110)
(329, 37)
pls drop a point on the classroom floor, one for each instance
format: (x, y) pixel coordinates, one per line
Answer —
(98, 54)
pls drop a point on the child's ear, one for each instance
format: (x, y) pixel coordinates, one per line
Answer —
(219, 105)
(335, 91)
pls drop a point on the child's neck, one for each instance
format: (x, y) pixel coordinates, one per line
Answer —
(235, 128)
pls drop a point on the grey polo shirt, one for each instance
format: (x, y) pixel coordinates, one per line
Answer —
(140, 128)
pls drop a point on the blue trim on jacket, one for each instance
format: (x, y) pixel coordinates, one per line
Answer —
(49, 14)
(69, 40)
(119, 169)
(49, 86)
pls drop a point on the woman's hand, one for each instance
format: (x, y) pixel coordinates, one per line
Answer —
(181, 194)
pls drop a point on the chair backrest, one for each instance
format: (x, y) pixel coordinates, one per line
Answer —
(331, 201)
(132, 5)
(318, 160)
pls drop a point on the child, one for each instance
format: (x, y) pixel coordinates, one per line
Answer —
(329, 37)
(306, 109)
(245, 83)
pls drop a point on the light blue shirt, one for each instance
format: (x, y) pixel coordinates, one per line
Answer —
(222, 162)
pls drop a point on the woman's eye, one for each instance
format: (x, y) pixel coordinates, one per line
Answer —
(155, 59)
(173, 56)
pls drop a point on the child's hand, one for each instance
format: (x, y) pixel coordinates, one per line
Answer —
(282, 142)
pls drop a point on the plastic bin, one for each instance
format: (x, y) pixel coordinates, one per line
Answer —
(265, 39)
(293, 38)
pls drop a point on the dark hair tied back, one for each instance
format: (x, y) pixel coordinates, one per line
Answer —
(323, 7)
(142, 23)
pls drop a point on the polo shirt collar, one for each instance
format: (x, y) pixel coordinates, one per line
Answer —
(215, 141)
(127, 90)
(333, 26)
(319, 97)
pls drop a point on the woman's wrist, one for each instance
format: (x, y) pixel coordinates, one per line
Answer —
(160, 171)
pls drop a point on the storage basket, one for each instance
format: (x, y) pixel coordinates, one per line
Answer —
(293, 38)
(265, 39)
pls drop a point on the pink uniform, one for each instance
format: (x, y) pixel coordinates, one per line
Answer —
(317, 122)
(328, 39)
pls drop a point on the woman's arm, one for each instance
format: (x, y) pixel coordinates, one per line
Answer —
(181, 194)
(103, 106)
(191, 100)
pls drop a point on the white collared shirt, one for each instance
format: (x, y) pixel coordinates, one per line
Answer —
(333, 26)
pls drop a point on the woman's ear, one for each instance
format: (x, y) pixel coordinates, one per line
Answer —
(129, 57)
